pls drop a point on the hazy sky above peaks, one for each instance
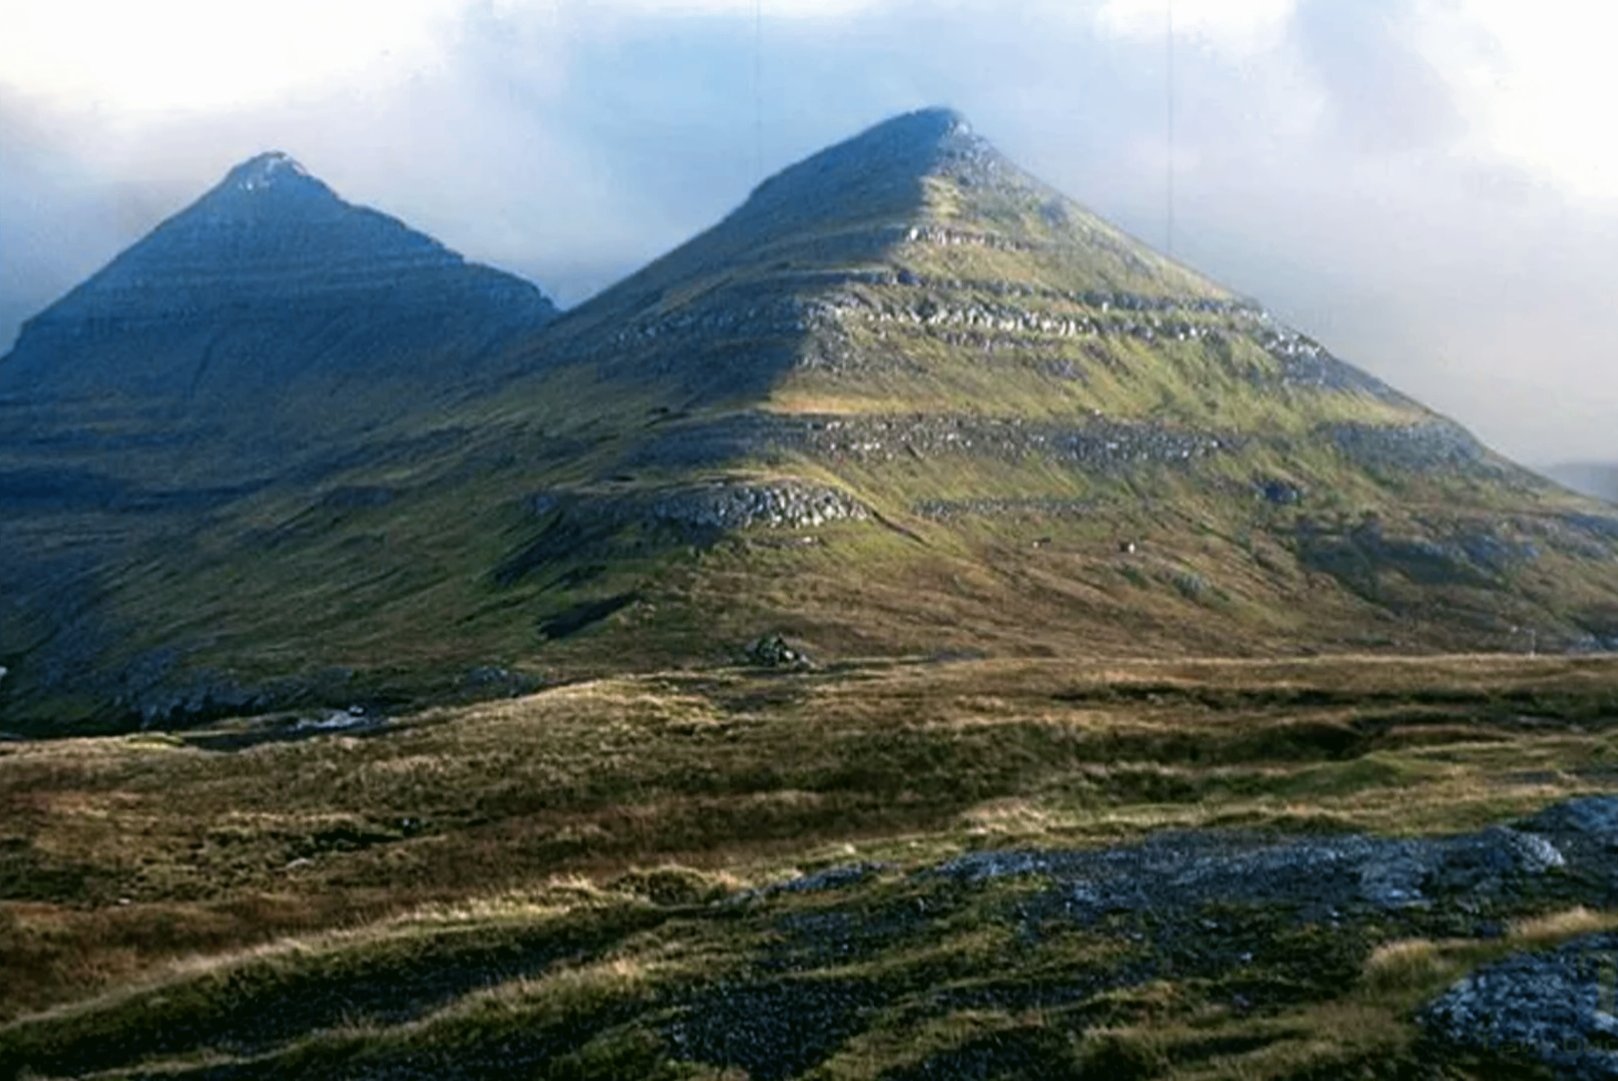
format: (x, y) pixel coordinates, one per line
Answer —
(1429, 186)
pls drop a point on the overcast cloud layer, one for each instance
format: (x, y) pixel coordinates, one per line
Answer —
(1429, 186)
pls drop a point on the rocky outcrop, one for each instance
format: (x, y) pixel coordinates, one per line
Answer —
(589, 526)
(720, 506)
(1555, 1007)
(1282, 493)
(1307, 364)
(1257, 923)
(773, 651)
(1431, 446)
(1098, 443)
(773, 505)
(1462, 554)
(1174, 876)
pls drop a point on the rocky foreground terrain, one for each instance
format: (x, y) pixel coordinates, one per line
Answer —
(820, 964)
(961, 869)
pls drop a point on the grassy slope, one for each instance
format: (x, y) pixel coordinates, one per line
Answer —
(803, 301)
(534, 877)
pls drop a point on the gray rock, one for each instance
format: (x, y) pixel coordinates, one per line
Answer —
(721, 506)
(1554, 1006)
(772, 651)
(1593, 818)
(1431, 446)
(1282, 493)
(831, 878)
(776, 505)
(1177, 872)
(1096, 444)
(497, 680)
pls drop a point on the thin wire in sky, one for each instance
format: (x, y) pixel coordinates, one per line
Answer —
(1168, 182)
(758, 89)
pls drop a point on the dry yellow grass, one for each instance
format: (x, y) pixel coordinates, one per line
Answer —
(140, 852)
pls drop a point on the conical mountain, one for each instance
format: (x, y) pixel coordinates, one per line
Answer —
(1054, 437)
(915, 204)
(906, 400)
(268, 278)
(252, 343)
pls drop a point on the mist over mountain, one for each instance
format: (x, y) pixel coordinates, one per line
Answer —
(1598, 479)
(1334, 159)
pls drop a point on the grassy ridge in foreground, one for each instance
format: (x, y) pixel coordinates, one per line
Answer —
(541, 881)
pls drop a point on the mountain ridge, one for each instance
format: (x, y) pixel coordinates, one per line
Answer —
(244, 251)
(905, 400)
(256, 340)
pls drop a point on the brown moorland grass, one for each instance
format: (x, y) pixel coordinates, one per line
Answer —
(151, 857)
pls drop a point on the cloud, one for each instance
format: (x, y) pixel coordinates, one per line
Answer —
(1384, 93)
(206, 55)
(201, 55)
(1537, 80)
(1245, 26)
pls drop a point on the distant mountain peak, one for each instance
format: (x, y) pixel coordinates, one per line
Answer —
(268, 252)
(936, 122)
(269, 169)
(271, 186)
(915, 142)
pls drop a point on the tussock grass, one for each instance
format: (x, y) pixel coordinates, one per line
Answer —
(569, 854)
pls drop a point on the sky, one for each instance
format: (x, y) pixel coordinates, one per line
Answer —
(1430, 187)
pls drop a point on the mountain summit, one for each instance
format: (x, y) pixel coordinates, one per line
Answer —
(906, 399)
(247, 345)
(268, 277)
(269, 170)
(878, 171)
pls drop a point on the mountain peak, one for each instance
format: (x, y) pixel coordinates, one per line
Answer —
(272, 187)
(877, 172)
(266, 253)
(916, 143)
(267, 170)
(935, 123)
(269, 186)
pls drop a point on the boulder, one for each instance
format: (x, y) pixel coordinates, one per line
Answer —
(1553, 1006)
(772, 651)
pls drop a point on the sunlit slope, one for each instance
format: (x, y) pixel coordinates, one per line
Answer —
(906, 399)
(1058, 439)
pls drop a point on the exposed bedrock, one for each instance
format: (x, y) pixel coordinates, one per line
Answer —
(719, 505)
(1096, 443)
(1429, 446)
